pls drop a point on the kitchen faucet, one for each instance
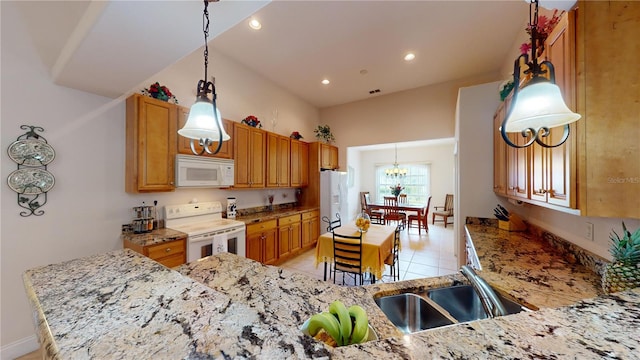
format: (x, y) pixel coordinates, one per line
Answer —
(490, 301)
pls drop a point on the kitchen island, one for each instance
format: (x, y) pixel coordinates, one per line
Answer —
(122, 305)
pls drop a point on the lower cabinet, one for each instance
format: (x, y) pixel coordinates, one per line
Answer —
(310, 228)
(262, 241)
(169, 254)
(289, 241)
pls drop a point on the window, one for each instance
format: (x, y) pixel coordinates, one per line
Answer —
(417, 182)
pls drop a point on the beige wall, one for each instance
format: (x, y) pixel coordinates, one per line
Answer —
(423, 113)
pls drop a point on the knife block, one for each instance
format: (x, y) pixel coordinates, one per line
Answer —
(514, 224)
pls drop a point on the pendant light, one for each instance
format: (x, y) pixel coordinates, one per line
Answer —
(539, 106)
(204, 123)
(396, 171)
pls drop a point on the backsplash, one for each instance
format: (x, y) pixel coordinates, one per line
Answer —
(261, 209)
(569, 250)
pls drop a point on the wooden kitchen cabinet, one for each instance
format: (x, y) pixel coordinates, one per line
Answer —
(609, 102)
(289, 240)
(553, 170)
(184, 146)
(499, 153)
(250, 153)
(299, 163)
(278, 160)
(262, 242)
(328, 156)
(536, 174)
(310, 228)
(151, 137)
(169, 254)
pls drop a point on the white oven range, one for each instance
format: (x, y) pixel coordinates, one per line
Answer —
(208, 233)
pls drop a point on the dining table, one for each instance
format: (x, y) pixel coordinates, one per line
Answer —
(419, 208)
(377, 244)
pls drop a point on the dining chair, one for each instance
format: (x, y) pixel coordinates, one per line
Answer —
(347, 256)
(393, 259)
(391, 212)
(421, 220)
(446, 212)
(332, 224)
(402, 199)
(376, 216)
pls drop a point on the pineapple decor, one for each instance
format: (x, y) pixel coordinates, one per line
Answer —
(624, 272)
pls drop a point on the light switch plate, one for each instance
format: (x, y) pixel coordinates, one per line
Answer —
(588, 231)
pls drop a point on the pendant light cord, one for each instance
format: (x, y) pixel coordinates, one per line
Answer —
(205, 30)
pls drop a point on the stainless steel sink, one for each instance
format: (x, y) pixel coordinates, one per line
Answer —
(411, 313)
(463, 303)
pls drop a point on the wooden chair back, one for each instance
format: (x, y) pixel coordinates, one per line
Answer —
(391, 207)
(426, 209)
(448, 202)
(402, 198)
(363, 200)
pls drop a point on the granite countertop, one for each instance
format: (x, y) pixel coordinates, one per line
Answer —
(270, 215)
(154, 237)
(528, 268)
(126, 306)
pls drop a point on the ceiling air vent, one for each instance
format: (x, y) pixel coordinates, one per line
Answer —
(374, 91)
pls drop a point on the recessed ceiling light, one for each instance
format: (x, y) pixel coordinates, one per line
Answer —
(255, 24)
(325, 81)
(410, 56)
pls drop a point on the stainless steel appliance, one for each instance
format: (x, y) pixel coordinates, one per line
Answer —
(208, 233)
(202, 171)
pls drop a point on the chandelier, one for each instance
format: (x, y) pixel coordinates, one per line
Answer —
(204, 123)
(539, 106)
(396, 171)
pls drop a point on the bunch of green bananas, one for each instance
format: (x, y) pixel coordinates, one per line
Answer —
(345, 326)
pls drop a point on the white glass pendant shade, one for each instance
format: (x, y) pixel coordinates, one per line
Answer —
(539, 105)
(201, 123)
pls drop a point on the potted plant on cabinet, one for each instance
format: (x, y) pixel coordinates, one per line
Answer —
(624, 272)
(323, 133)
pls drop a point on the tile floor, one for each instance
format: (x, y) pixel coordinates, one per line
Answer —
(426, 255)
(420, 256)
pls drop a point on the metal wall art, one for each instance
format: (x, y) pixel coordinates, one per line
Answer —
(31, 180)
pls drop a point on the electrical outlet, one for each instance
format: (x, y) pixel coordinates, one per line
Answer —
(588, 231)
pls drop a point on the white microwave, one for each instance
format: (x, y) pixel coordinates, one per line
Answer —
(202, 171)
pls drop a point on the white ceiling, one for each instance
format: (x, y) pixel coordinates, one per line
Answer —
(109, 47)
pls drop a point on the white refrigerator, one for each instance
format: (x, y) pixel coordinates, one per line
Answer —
(333, 196)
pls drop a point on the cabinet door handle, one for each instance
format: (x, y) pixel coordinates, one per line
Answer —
(168, 250)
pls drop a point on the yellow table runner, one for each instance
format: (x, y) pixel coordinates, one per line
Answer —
(377, 244)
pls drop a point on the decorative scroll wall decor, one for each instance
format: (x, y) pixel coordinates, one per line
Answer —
(31, 180)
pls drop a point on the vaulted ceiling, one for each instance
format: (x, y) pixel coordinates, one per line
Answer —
(108, 47)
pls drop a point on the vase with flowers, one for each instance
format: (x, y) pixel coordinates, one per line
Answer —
(295, 135)
(160, 92)
(251, 121)
(396, 190)
(543, 28)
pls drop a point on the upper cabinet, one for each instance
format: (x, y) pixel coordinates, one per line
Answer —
(542, 176)
(596, 172)
(328, 156)
(299, 163)
(151, 137)
(184, 144)
(250, 153)
(609, 102)
(278, 155)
